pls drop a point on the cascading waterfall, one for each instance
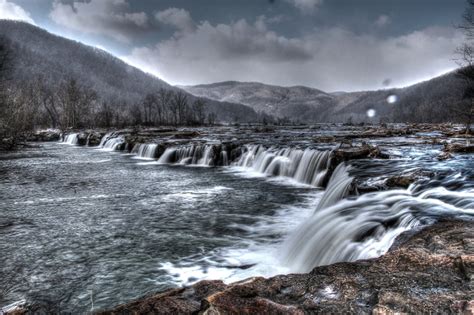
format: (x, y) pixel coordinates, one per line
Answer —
(307, 166)
(72, 139)
(204, 155)
(339, 187)
(147, 151)
(111, 141)
(366, 227)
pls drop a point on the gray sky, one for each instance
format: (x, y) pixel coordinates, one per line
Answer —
(333, 45)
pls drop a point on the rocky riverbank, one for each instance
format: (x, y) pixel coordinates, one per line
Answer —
(431, 272)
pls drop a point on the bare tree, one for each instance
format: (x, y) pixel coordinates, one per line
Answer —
(105, 115)
(179, 104)
(163, 106)
(199, 112)
(149, 106)
(465, 109)
(76, 102)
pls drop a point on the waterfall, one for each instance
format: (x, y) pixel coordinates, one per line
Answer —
(204, 155)
(367, 226)
(307, 166)
(72, 139)
(338, 187)
(146, 151)
(111, 141)
(105, 138)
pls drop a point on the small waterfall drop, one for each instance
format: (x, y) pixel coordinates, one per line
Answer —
(111, 141)
(307, 166)
(72, 139)
(339, 187)
(203, 155)
(147, 151)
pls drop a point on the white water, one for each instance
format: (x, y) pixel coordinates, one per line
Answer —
(72, 139)
(339, 187)
(305, 166)
(147, 151)
(110, 142)
(202, 155)
(365, 227)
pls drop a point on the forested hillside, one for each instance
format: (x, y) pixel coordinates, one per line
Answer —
(69, 84)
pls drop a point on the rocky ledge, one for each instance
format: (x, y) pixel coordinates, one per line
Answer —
(429, 272)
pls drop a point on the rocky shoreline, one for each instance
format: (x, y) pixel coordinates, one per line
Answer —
(430, 272)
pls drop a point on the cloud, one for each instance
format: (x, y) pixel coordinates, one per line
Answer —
(329, 58)
(179, 18)
(306, 6)
(103, 17)
(383, 20)
(12, 11)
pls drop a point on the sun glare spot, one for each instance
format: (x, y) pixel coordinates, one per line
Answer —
(391, 99)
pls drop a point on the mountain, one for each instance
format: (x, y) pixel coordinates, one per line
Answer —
(429, 101)
(54, 59)
(296, 102)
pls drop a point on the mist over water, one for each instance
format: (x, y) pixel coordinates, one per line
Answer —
(85, 227)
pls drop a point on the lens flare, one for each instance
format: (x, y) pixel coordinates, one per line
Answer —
(392, 99)
(371, 113)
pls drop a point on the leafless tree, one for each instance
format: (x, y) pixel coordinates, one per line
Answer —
(163, 105)
(199, 111)
(465, 52)
(76, 103)
(178, 107)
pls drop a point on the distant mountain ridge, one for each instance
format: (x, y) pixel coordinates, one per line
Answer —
(54, 59)
(427, 101)
(291, 102)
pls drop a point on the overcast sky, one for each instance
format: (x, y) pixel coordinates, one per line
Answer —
(333, 45)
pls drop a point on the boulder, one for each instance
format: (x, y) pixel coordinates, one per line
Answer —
(459, 148)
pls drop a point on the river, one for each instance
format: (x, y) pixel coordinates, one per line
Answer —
(83, 229)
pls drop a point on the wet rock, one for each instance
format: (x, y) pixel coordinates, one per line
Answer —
(401, 181)
(459, 148)
(185, 135)
(264, 129)
(405, 180)
(430, 273)
(44, 135)
(443, 156)
(93, 139)
(324, 139)
(176, 301)
(7, 144)
(345, 154)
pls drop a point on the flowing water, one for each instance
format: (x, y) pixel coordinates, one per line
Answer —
(85, 229)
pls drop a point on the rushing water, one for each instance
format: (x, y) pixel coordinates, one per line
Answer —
(85, 229)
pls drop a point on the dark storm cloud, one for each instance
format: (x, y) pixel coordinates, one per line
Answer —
(330, 44)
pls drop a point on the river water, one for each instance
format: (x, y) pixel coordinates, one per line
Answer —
(83, 229)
